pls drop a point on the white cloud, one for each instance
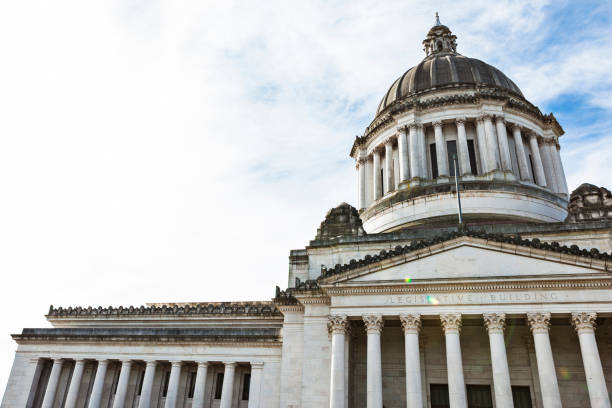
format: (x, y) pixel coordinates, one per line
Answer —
(172, 151)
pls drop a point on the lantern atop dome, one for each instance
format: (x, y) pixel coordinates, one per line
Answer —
(439, 39)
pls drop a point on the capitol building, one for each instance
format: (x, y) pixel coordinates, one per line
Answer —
(466, 275)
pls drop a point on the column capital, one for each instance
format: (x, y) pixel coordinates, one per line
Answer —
(516, 127)
(373, 323)
(337, 324)
(485, 116)
(584, 322)
(103, 361)
(402, 129)
(126, 361)
(151, 363)
(495, 322)
(500, 118)
(411, 323)
(539, 322)
(176, 363)
(59, 360)
(414, 125)
(437, 124)
(229, 363)
(451, 322)
(388, 141)
(202, 363)
(80, 360)
(460, 121)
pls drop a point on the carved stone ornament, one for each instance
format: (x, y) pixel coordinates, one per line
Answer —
(373, 323)
(451, 322)
(539, 322)
(584, 322)
(337, 324)
(342, 220)
(413, 125)
(485, 116)
(495, 322)
(460, 121)
(589, 203)
(500, 118)
(411, 323)
(437, 123)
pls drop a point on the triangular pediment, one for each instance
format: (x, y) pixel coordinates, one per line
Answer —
(469, 258)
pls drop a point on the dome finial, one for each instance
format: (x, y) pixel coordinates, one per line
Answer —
(438, 19)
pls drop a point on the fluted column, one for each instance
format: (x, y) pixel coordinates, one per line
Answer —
(124, 378)
(492, 145)
(173, 384)
(482, 145)
(422, 150)
(337, 327)
(402, 147)
(98, 385)
(147, 385)
(556, 166)
(388, 166)
(451, 323)
(502, 138)
(53, 382)
(495, 324)
(200, 385)
(441, 153)
(540, 324)
(538, 168)
(584, 323)
(361, 182)
(255, 386)
(465, 166)
(549, 171)
(411, 323)
(520, 153)
(562, 179)
(228, 385)
(376, 180)
(75, 383)
(374, 325)
(415, 168)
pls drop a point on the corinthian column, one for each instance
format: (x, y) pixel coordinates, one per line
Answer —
(584, 323)
(502, 138)
(411, 323)
(376, 181)
(549, 171)
(75, 383)
(415, 168)
(98, 385)
(52, 384)
(402, 147)
(388, 166)
(492, 145)
(422, 150)
(441, 153)
(147, 385)
(462, 145)
(482, 145)
(540, 324)
(496, 323)
(374, 325)
(361, 183)
(337, 327)
(228, 385)
(562, 179)
(538, 168)
(173, 384)
(520, 153)
(124, 377)
(451, 323)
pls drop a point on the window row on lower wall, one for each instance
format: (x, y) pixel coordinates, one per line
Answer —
(478, 396)
(131, 383)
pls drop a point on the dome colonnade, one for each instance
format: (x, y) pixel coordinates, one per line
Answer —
(451, 107)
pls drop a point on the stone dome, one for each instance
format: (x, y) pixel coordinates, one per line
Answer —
(444, 68)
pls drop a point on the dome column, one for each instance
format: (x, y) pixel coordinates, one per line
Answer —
(402, 146)
(537, 161)
(520, 153)
(556, 165)
(492, 145)
(562, 179)
(482, 146)
(415, 168)
(502, 138)
(462, 145)
(422, 150)
(441, 153)
(376, 179)
(549, 171)
(361, 181)
(388, 166)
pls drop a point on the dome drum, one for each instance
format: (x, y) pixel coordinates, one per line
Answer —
(451, 112)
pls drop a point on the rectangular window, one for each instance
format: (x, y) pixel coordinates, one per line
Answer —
(451, 148)
(139, 382)
(165, 383)
(521, 397)
(219, 386)
(434, 160)
(246, 385)
(439, 396)
(191, 380)
(472, 154)
(479, 396)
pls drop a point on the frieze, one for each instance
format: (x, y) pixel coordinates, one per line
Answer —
(473, 298)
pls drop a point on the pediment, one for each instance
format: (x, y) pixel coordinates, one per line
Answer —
(468, 258)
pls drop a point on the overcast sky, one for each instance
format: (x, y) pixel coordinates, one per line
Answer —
(177, 150)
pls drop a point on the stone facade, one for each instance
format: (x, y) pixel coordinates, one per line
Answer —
(510, 309)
